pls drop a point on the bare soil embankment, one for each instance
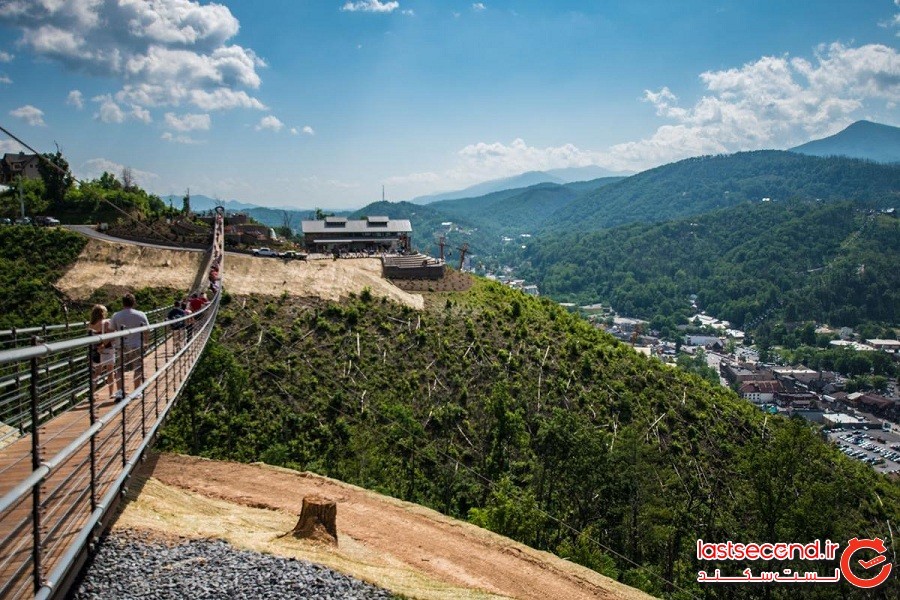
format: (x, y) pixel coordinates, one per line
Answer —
(326, 279)
(404, 547)
(125, 265)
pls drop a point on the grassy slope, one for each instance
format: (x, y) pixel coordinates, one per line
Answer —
(571, 427)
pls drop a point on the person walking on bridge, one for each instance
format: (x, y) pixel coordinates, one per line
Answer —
(104, 356)
(131, 359)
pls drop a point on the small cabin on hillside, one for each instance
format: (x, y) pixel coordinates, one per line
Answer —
(372, 234)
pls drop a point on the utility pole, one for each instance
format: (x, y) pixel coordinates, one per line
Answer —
(21, 197)
(462, 255)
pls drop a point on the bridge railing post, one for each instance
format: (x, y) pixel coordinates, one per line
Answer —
(36, 553)
(143, 394)
(124, 393)
(92, 418)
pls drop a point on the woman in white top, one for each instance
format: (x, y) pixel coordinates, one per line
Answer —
(104, 369)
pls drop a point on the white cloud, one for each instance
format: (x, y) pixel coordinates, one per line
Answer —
(95, 167)
(408, 12)
(4, 79)
(224, 99)
(188, 122)
(270, 122)
(775, 101)
(479, 6)
(308, 130)
(10, 146)
(372, 6)
(109, 111)
(5, 57)
(30, 114)
(76, 99)
(163, 52)
(141, 114)
(483, 161)
(894, 20)
(179, 139)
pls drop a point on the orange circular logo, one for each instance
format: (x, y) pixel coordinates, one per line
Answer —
(856, 544)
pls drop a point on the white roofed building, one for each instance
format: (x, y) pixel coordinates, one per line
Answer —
(376, 234)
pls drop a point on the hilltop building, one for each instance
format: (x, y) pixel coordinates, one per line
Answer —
(376, 234)
(14, 165)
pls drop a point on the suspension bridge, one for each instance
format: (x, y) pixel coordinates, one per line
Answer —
(68, 446)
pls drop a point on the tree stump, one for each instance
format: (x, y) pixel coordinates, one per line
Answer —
(317, 520)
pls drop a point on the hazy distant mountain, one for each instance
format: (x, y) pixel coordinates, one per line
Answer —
(199, 203)
(558, 176)
(488, 187)
(863, 139)
(588, 173)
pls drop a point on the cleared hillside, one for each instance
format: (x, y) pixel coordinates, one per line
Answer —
(125, 265)
(511, 413)
(404, 547)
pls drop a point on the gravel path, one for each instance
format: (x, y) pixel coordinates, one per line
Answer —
(132, 565)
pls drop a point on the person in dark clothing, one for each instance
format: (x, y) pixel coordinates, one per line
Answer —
(190, 322)
(177, 328)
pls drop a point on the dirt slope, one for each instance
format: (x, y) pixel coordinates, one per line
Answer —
(404, 547)
(131, 266)
(327, 279)
(127, 265)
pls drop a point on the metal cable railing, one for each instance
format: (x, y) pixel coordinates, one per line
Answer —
(18, 337)
(78, 442)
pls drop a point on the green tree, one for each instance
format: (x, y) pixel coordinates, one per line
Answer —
(58, 179)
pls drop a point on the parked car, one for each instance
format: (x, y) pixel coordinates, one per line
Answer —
(5, 221)
(293, 255)
(47, 221)
(23, 221)
(264, 252)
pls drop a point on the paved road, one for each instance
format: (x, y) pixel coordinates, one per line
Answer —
(89, 231)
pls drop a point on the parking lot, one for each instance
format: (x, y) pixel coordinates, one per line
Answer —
(880, 449)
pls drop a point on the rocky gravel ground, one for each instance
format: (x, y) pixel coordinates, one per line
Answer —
(133, 565)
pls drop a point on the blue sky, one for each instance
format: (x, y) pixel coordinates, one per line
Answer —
(320, 103)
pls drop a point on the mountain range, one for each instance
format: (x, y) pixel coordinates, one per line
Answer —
(528, 179)
(863, 139)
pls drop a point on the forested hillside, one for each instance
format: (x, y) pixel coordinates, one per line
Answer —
(699, 185)
(506, 410)
(31, 260)
(484, 220)
(817, 261)
(863, 139)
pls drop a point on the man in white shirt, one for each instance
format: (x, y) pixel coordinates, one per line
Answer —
(131, 359)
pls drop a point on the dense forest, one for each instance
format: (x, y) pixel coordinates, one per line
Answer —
(698, 185)
(510, 412)
(803, 260)
(31, 260)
